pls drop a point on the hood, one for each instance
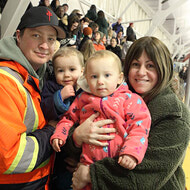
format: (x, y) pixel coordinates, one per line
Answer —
(10, 51)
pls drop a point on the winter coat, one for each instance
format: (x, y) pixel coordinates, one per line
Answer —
(161, 168)
(116, 50)
(52, 104)
(132, 122)
(25, 151)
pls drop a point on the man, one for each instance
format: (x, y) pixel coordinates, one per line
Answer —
(131, 35)
(25, 151)
(117, 27)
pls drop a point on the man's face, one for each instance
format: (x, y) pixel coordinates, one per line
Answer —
(37, 44)
(65, 8)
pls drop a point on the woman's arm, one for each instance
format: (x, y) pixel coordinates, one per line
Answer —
(161, 166)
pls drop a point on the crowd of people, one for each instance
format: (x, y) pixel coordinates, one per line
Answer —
(104, 33)
(107, 116)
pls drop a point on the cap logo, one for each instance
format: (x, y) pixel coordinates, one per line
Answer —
(49, 14)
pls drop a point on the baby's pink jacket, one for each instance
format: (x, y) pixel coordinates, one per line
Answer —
(132, 121)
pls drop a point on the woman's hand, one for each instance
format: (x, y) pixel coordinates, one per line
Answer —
(81, 177)
(90, 132)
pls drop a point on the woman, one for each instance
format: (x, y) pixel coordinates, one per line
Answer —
(114, 47)
(72, 38)
(148, 70)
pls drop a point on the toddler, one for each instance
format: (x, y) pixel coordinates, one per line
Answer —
(59, 92)
(57, 96)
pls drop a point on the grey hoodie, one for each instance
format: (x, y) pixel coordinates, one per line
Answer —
(10, 51)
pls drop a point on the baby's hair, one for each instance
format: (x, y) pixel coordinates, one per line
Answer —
(104, 54)
(67, 52)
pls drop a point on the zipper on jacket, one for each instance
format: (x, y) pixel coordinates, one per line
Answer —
(101, 106)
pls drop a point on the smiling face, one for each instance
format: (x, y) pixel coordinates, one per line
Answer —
(113, 42)
(67, 70)
(142, 74)
(37, 44)
(103, 76)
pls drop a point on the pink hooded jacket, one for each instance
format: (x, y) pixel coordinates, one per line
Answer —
(132, 120)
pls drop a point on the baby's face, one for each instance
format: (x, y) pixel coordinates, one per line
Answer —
(67, 70)
(103, 76)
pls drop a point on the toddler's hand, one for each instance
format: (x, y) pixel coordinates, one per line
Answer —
(67, 92)
(56, 144)
(127, 161)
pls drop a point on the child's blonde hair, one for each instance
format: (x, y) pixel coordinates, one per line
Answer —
(104, 54)
(67, 52)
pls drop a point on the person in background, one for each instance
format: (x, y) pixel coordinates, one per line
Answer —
(78, 13)
(148, 71)
(87, 32)
(66, 8)
(104, 39)
(92, 14)
(60, 12)
(131, 36)
(25, 151)
(45, 3)
(87, 49)
(111, 34)
(125, 48)
(63, 22)
(55, 4)
(105, 93)
(84, 22)
(94, 27)
(98, 44)
(114, 48)
(183, 75)
(119, 39)
(117, 27)
(65, 17)
(102, 23)
(72, 37)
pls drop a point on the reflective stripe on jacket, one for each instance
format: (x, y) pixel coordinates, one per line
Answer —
(20, 115)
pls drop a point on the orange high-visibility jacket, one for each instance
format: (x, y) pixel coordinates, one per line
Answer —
(24, 150)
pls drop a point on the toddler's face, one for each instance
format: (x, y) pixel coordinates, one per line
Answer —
(67, 70)
(103, 76)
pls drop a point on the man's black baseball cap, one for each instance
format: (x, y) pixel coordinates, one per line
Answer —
(41, 16)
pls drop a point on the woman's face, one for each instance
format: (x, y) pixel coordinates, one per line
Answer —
(74, 26)
(142, 74)
(113, 42)
(46, 3)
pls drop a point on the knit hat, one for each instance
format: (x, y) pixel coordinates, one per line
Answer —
(87, 31)
(41, 16)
